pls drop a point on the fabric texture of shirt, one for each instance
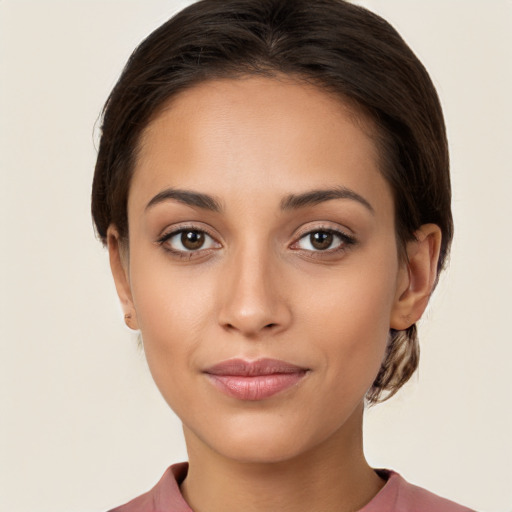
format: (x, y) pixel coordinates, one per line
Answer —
(397, 495)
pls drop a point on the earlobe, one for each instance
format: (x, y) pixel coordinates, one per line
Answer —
(417, 277)
(120, 273)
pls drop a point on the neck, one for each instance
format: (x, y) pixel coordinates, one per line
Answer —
(331, 477)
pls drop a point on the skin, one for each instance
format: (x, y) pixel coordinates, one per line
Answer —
(259, 288)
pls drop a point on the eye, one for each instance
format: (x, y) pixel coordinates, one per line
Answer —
(323, 240)
(188, 240)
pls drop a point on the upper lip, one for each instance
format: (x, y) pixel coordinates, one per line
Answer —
(242, 368)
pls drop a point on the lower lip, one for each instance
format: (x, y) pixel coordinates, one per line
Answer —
(255, 387)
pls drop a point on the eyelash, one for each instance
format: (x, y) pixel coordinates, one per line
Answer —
(345, 241)
(185, 254)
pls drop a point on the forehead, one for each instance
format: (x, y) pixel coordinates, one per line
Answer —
(230, 135)
(260, 100)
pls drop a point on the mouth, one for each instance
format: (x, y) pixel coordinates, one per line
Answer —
(254, 380)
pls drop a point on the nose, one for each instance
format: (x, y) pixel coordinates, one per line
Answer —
(254, 292)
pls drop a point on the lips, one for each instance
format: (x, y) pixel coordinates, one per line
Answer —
(254, 380)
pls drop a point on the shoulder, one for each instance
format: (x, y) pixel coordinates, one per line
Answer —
(425, 500)
(166, 493)
(398, 495)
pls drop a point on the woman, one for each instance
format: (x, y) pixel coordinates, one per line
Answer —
(272, 185)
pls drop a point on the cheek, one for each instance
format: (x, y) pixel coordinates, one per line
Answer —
(167, 299)
(350, 319)
(172, 312)
(354, 335)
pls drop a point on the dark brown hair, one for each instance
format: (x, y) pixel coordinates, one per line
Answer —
(343, 48)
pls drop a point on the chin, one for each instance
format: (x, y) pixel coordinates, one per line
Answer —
(262, 440)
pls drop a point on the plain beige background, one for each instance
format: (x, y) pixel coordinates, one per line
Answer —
(82, 427)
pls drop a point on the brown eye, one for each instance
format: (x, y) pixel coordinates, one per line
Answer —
(324, 240)
(188, 241)
(192, 240)
(321, 240)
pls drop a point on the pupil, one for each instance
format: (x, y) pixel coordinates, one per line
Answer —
(321, 240)
(192, 239)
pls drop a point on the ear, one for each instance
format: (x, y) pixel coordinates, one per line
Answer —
(417, 277)
(120, 271)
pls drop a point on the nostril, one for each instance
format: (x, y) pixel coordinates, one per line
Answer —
(268, 327)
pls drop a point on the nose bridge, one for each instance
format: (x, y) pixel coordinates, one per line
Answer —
(253, 299)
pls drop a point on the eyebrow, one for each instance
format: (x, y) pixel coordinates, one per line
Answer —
(313, 197)
(290, 202)
(187, 197)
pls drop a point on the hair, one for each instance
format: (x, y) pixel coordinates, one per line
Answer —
(341, 48)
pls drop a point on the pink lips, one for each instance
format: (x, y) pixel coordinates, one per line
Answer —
(254, 380)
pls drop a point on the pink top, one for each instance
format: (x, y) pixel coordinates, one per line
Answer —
(397, 495)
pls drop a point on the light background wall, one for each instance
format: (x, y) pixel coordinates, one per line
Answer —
(82, 427)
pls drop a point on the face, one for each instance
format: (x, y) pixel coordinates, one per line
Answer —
(262, 269)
